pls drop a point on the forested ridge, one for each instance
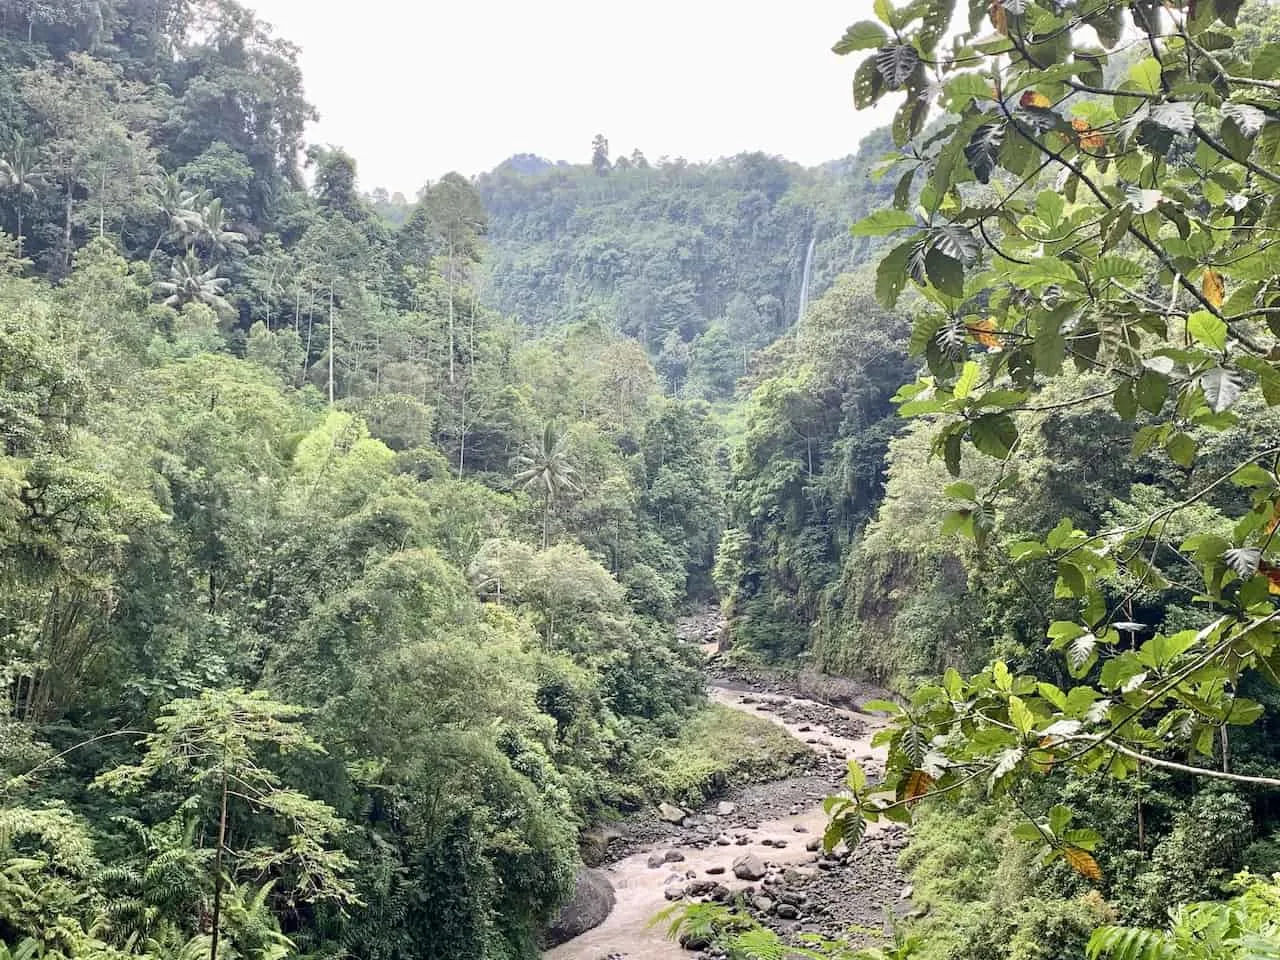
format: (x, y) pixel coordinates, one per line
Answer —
(342, 536)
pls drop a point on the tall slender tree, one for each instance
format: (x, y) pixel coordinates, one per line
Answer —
(545, 466)
(20, 174)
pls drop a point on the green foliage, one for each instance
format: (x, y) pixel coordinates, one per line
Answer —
(703, 264)
(808, 473)
(719, 748)
(1144, 264)
(982, 894)
(1244, 926)
(192, 540)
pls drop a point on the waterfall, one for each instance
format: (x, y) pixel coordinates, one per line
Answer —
(804, 282)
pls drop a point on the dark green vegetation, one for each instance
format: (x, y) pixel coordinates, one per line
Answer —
(703, 264)
(340, 537)
(1067, 561)
(333, 604)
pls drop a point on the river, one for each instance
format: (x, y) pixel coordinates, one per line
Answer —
(629, 930)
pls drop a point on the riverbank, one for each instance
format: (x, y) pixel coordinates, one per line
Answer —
(759, 843)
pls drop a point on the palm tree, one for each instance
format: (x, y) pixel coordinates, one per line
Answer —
(546, 466)
(181, 211)
(190, 283)
(214, 233)
(20, 172)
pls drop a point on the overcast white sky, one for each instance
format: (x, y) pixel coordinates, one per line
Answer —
(416, 89)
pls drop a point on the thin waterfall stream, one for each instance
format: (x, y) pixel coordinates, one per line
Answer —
(804, 282)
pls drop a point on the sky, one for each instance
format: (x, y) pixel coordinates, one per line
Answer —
(415, 89)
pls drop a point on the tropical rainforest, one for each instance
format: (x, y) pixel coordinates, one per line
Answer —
(342, 535)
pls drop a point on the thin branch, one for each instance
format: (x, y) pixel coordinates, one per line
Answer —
(1187, 768)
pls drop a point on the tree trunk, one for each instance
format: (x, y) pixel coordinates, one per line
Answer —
(1142, 820)
(546, 519)
(19, 227)
(66, 230)
(217, 866)
(451, 310)
(311, 329)
(331, 344)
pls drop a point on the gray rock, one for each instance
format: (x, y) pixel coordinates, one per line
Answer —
(788, 911)
(670, 813)
(726, 809)
(590, 904)
(656, 860)
(673, 893)
(748, 867)
(673, 856)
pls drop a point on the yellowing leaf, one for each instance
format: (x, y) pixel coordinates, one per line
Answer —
(999, 18)
(1213, 287)
(917, 785)
(1082, 862)
(1272, 573)
(982, 329)
(1086, 137)
(1034, 100)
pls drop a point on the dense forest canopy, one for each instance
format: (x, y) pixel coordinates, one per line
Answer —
(703, 264)
(342, 535)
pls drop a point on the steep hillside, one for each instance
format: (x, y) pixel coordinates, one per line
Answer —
(702, 263)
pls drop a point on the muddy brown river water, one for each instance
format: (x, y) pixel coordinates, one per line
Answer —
(629, 929)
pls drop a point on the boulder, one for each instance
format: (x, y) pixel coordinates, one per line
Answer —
(670, 813)
(748, 867)
(590, 904)
(656, 860)
(673, 856)
(725, 808)
(674, 892)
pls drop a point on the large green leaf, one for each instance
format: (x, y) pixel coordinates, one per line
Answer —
(1208, 329)
(891, 274)
(994, 434)
(863, 35)
(982, 152)
(883, 222)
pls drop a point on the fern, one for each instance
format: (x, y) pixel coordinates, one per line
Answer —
(28, 949)
(1130, 943)
(1245, 928)
(759, 943)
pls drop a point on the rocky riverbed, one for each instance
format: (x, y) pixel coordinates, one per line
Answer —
(760, 844)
